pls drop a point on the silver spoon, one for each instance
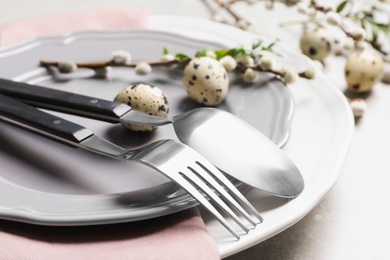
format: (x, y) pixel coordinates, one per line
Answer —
(231, 144)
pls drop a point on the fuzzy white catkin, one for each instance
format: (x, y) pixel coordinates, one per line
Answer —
(318, 64)
(218, 18)
(269, 5)
(310, 73)
(302, 8)
(229, 63)
(102, 72)
(358, 106)
(362, 45)
(211, 54)
(311, 12)
(358, 34)
(386, 58)
(242, 24)
(337, 48)
(386, 76)
(67, 67)
(167, 57)
(266, 63)
(121, 57)
(290, 76)
(333, 18)
(246, 60)
(250, 75)
(348, 44)
(143, 68)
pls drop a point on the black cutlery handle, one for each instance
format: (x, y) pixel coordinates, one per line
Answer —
(32, 119)
(63, 101)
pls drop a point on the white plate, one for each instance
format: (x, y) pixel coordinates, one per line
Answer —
(321, 134)
(44, 182)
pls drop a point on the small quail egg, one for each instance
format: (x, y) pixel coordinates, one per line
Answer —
(144, 98)
(363, 69)
(206, 81)
(316, 43)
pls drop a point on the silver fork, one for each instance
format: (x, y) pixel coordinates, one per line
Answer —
(177, 161)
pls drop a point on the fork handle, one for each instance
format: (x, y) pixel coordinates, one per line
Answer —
(63, 101)
(32, 119)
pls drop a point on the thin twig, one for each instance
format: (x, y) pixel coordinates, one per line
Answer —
(100, 64)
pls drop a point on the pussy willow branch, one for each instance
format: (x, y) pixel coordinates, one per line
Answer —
(100, 64)
(342, 27)
(223, 5)
(242, 68)
(228, 7)
(348, 34)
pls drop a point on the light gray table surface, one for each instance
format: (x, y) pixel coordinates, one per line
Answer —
(353, 219)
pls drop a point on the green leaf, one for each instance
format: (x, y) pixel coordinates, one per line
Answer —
(313, 2)
(165, 51)
(236, 51)
(383, 27)
(203, 52)
(220, 53)
(380, 26)
(271, 45)
(256, 44)
(341, 6)
(182, 57)
(369, 15)
(269, 48)
(374, 35)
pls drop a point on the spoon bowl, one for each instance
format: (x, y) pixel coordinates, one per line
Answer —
(236, 148)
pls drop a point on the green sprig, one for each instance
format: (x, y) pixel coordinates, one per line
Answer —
(165, 50)
(239, 50)
(182, 57)
(341, 6)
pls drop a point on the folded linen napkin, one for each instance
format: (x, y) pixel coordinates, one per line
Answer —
(58, 24)
(178, 236)
(181, 235)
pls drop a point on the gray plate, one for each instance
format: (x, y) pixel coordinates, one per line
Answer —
(44, 182)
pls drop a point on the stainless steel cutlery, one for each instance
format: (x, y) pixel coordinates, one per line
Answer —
(177, 161)
(218, 142)
(232, 145)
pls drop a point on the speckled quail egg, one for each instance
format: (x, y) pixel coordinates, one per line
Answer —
(144, 98)
(316, 43)
(363, 69)
(206, 81)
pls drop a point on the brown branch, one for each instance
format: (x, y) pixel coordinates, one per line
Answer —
(242, 68)
(100, 64)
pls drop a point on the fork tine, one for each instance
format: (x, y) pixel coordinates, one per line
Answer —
(192, 177)
(203, 201)
(205, 174)
(210, 168)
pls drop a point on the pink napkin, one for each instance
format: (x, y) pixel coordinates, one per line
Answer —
(177, 236)
(58, 24)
